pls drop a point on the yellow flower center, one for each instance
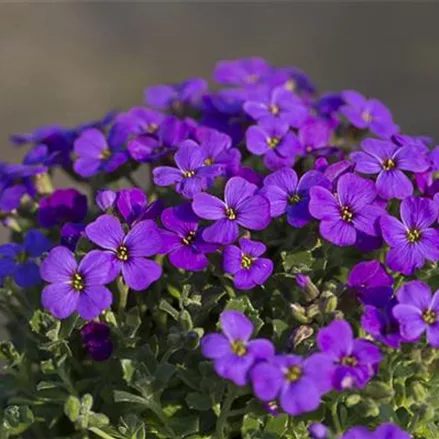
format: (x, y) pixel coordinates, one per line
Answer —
(208, 161)
(189, 238)
(294, 199)
(273, 142)
(152, 127)
(429, 317)
(274, 109)
(189, 174)
(413, 236)
(105, 154)
(349, 361)
(239, 348)
(346, 214)
(367, 117)
(230, 214)
(77, 282)
(246, 261)
(293, 374)
(290, 85)
(389, 164)
(122, 253)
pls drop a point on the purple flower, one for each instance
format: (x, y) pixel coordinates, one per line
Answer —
(318, 431)
(380, 323)
(384, 431)
(297, 382)
(182, 240)
(368, 114)
(62, 206)
(133, 206)
(127, 253)
(355, 359)
(96, 155)
(273, 139)
(240, 208)
(75, 287)
(242, 72)
(105, 199)
(371, 282)
(388, 161)
(292, 79)
(350, 211)
(278, 103)
(192, 175)
(418, 312)
(411, 241)
(245, 264)
(70, 234)
(175, 96)
(233, 352)
(20, 260)
(358, 433)
(314, 135)
(95, 337)
(289, 195)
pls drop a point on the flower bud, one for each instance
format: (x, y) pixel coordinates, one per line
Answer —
(105, 199)
(329, 303)
(185, 321)
(306, 285)
(379, 390)
(352, 400)
(299, 335)
(368, 408)
(43, 184)
(313, 311)
(299, 313)
(318, 431)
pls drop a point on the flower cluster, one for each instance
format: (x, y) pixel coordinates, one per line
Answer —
(309, 220)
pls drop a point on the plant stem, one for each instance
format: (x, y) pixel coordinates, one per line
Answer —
(335, 418)
(123, 294)
(225, 413)
(100, 433)
(156, 408)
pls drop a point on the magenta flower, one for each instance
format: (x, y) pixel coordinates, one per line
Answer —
(297, 382)
(418, 312)
(245, 264)
(412, 240)
(350, 211)
(240, 208)
(355, 360)
(127, 253)
(280, 104)
(388, 161)
(287, 194)
(368, 114)
(75, 287)
(273, 139)
(233, 352)
(192, 175)
(96, 155)
(182, 240)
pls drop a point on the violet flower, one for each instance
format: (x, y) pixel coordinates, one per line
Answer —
(95, 337)
(412, 241)
(240, 208)
(233, 352)
(132, 204)
(127, 254)
(245, 264)
(242, 72)
(75, 287)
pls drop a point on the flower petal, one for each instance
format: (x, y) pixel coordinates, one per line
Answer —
(267, 380)
(223, 231)
(106, 231)
(140, 273)
(235, 325)
(253, 212)
(394, 184)
(410, 320)
(60, 299)
(93, 300)
(59, 265)
(215, 346)
(338, 232)
(143, 239)
(336, 339)
(209, 207)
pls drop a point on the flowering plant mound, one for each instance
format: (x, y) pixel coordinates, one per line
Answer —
(274, 276)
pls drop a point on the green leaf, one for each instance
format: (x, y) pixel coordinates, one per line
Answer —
(164, 373)
(250, 424)
(185, 425)
(72, 408)
(277, 425)
(198, 401)
(17, 419)
(122, 396)
(98, 420)
(297, 262)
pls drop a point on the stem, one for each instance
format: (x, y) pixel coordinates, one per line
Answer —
(335, 418)
(100, 433)
(225, 413)
(159, 413)
(123, 294)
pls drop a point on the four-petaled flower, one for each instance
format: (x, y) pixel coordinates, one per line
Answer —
(350, 211)
(240, 208)
(233, 352)
(388, 161)
(127, 253)
(245, 264)
(412, 240)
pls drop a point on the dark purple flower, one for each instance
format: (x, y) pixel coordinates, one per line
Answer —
(368, 114)
(418, 312)
(233, 352)
(297, 382)
(96, 155)
(388, 161)
(250, 175)
(411, 241)
(75, 287)
(240, 208)
(175, 96)
(289, 195)
(329, 104)
(278, 103)
(273, 139)
(95, 337)
(355, 360)
(105, 199)
(182, 240)
(371, 282)
(245, 264)
(350, 211)
(133, 206)
(127, 253)
(242, 72)
(70, 234)
(20, 260)
(318, 431)
(63, 205)
(192, 175)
